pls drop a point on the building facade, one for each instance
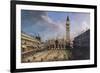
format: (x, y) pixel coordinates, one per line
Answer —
(56, 44)
(81, 46)
(29, 45)
(83, 40)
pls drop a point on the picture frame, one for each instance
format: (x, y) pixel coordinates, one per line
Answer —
(17, 7)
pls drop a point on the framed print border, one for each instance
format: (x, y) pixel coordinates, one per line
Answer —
(13, 35)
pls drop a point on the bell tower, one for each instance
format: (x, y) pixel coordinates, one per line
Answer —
(68, 32)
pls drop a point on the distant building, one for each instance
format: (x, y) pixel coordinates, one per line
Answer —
(56, 44)
(81, 46)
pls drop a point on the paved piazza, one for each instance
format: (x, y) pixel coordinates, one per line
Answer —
(48, 55)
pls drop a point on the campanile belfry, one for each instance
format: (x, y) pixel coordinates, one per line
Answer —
(68, 32)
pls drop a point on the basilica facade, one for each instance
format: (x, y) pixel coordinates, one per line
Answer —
(56, 44)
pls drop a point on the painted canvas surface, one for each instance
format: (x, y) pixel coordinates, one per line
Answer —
(54, 36)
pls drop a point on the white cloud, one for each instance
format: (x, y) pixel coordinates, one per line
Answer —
(58, 28)
(80, 29)
(85, 26)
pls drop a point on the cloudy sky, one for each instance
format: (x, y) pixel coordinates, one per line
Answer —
(52, 24)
